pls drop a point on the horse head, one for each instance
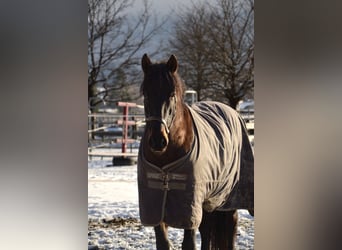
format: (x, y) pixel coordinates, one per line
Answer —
(161, 93)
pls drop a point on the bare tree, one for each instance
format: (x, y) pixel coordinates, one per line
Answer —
(232, 49)
(215, 45)
(189, 42)
(114, 38)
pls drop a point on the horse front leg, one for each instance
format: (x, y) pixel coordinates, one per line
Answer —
(162, 240)
(189, 240)
(232, 224)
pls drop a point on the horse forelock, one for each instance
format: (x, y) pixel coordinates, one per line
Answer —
(158, 76)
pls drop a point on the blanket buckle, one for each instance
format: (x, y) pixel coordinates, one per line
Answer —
(166, 182)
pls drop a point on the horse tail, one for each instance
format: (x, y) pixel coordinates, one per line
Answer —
(218, 230)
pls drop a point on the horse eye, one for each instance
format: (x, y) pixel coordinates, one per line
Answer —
(173, 94)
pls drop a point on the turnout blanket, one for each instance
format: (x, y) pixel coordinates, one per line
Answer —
(216, 174)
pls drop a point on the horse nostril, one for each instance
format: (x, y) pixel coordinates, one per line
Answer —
(163, 142)
(158, 144)
(152, 143)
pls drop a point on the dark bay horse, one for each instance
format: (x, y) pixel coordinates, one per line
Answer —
(195, 164)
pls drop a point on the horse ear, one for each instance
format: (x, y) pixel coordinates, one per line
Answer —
(145, 62)
(172, 63)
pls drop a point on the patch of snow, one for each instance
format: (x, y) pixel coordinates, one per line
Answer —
(113, 212)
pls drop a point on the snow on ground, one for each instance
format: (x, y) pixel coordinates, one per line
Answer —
(113, 213)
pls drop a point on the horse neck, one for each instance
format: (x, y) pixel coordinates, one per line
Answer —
(181, 132)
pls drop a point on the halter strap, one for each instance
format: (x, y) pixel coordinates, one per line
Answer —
(163, 121)
(158, 119)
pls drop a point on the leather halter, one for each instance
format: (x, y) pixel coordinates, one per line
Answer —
(163, 121)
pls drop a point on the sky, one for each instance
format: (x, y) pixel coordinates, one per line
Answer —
(162, 7)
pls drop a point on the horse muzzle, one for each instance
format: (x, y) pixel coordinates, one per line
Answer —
(159, 134)
(158, 144)
(158, 139)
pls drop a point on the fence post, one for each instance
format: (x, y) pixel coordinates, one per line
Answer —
(125, 123)
(124, 129)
